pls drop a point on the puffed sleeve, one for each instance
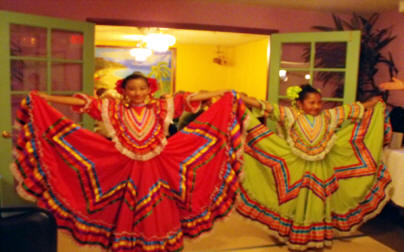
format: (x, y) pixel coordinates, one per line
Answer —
(182, 103)
(277, 114)
(92, 106)
(347, 112)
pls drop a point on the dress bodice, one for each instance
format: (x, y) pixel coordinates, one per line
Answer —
(138, 132)
(312, 137)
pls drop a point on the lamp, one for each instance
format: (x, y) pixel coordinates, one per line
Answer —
(159, 42)
(140, 54)
(283, 75)
(220, 58)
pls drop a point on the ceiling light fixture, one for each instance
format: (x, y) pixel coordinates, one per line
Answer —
(140, 54)
(159, 42)
(136, 37)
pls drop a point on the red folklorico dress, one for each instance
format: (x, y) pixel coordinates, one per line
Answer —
(140, 191)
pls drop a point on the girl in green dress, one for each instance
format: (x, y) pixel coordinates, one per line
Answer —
(321, 174)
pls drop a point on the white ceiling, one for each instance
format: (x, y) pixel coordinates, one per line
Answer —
(108, 33)
(111, 34)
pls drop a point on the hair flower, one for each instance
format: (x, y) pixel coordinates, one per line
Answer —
(152, 85)
(292, 92)
(118, 86)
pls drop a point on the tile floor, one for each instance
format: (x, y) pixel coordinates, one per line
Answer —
(385, 233)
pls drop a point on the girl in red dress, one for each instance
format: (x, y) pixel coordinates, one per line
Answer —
(140, 191)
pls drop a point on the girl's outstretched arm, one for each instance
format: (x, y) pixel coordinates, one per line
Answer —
(371, 102)
(206, 95)
(253, 102)
(66, 100)
(396, 84)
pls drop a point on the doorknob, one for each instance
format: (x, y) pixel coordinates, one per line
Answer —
(6, 134)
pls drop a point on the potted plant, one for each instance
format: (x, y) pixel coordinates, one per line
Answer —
(373, 41)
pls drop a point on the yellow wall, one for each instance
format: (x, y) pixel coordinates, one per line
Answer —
(245, 71)
(196, 71)
(250, 69)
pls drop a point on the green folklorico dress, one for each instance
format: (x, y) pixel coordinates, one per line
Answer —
(319, 176)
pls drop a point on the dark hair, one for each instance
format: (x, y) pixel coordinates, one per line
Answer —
(134, 76)
(306, 89)
(100, 91)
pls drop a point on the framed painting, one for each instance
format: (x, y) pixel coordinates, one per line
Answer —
(113, 63)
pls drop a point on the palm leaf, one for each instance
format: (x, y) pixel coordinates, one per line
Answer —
(373, 41)
(349, 25)
(373, 19)
(356, 24)
(338, 23)
(324, 28)
(384, 43)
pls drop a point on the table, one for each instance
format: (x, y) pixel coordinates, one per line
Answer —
(394, 160)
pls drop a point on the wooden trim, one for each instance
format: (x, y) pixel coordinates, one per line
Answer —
(189, 26)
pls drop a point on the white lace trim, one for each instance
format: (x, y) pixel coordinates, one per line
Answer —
(309, 157)
(19, 188)
(362, 110)
(244, 136)
(262, 109)
(125, 151)
(188, 102)
(170, 114)
(86, 99)
(13, 167)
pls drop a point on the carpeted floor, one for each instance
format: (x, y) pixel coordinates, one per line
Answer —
(239, 234)
(385, 233)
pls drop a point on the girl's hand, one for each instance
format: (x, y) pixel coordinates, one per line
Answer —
(242, 95)
(42, 95)
(206, 95)
(223, 91)
(371, 102)
(396, 84)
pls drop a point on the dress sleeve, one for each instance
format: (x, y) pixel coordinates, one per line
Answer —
(278, 113)
(347, 112)
(92, 106)
(182, 103)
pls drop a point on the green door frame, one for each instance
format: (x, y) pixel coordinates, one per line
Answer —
(352, 38)
(9, 196)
